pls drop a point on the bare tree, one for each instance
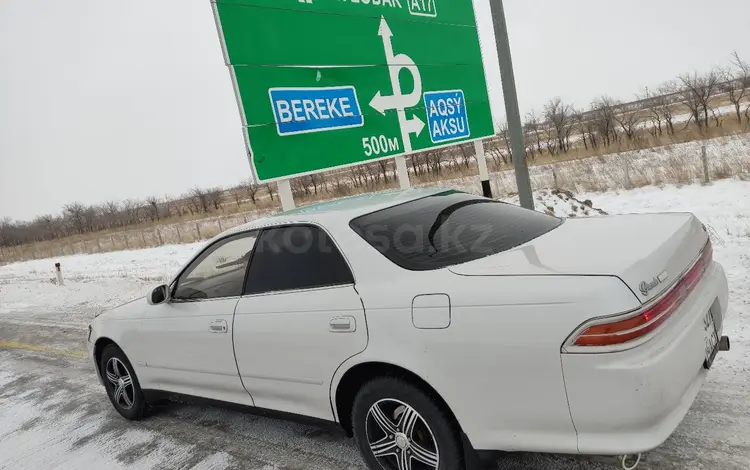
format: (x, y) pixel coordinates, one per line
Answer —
(559, 115)
(131, 208)
(75, 213)
(299, 188)
(173, 206)
(252, 191)
(238, 193)
(628, 121)
(467, 154)
(6, 228)
(270, 190)
(652, 103)
(317, 181)
(550, 143)
(534, 129)
(585, 125)
(340, 188)
(383, 164)
(667, 92)
(737, 83)
(200, 199)
(579, 126)
(91, 218)
(503, 127)
(493, 148)
(152, 208)
(697, 93)
(603, 116)
(47, 224)
(213, 197)
(112, 214)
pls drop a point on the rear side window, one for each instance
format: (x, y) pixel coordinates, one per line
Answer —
(296, 257)
(449, 228)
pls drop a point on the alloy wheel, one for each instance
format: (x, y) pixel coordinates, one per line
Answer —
(400, 438)
(119, 376)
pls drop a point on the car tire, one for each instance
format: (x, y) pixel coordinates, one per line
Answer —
(401, 424)
(121, 383)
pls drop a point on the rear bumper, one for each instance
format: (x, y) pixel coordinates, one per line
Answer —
(632, 401)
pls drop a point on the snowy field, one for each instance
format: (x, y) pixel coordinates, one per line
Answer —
(92, 283)
(715, 434)
(669, 164)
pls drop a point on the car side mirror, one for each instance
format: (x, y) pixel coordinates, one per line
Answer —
(159, 295)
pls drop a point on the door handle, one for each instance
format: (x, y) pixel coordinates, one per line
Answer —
(342, 325)
(218, 326)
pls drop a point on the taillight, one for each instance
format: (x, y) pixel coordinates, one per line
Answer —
(649, 317)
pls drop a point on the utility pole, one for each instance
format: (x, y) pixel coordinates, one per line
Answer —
(515, 129)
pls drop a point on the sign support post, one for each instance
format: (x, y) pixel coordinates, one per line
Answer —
(515, 130)
(285, 194)
(402, 172)
(484, 174)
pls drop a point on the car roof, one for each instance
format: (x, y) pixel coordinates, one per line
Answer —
(343, 209)
(364, 203)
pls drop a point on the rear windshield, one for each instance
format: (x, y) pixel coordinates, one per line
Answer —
(449, 228)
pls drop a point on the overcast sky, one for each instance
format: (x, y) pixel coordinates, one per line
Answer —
(108, 100)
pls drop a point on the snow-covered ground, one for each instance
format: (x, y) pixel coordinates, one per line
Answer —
(92, 282)
(676, 164)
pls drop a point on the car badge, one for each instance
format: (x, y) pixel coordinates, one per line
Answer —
(647, 286)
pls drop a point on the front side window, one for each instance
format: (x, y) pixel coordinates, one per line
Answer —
(219, 271)
(296, 257)
(449, 228)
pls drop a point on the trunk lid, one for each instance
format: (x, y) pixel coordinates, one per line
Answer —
(648, 252)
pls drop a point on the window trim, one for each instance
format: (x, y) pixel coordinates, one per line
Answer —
(304, 289)
(241, 234)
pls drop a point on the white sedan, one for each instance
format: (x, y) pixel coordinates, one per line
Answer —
(430, 324)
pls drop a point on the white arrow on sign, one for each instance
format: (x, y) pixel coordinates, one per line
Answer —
(398, 100)
(414, 125)
(381, 103)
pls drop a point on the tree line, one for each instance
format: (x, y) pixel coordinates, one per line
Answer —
(560, 126)
(77, 218)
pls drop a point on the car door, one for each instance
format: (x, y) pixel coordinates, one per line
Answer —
(299, 320)
(188, 340)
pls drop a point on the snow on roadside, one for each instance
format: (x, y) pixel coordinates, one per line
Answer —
(92, 283)
(561, 203)
(724, 205)
(41, 429)
(147, 265)
(674, 163)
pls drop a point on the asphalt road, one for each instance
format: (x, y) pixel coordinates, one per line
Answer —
(54, 414)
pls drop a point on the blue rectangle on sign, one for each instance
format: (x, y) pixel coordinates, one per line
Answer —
(446, 115)
(303, 110)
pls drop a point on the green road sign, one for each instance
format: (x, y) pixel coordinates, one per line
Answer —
(325, 84)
